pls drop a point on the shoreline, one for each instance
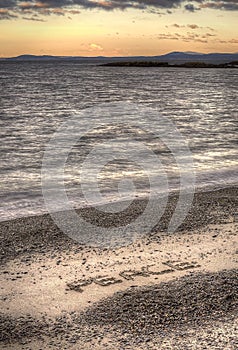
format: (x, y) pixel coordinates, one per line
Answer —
(159, 64)
(58, 294)
(228, 182)
(39, 233)
(172, 194)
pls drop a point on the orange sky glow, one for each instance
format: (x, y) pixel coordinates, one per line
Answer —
(117, 28)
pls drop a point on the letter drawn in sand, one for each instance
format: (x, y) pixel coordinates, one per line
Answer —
(178, 265)
(152, 271)
(130, 274)
(106, 280)
(77, 285)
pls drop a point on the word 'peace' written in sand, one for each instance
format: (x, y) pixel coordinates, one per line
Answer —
(131, 274)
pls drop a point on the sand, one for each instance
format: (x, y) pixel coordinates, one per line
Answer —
(164, 291)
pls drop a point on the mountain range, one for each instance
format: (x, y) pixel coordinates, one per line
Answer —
(172, 58)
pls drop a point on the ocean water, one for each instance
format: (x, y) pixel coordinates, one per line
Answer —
(37, 98)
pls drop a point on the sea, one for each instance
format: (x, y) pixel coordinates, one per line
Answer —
(39, 98)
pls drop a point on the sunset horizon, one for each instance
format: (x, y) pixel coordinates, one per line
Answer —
(95, 56)
(117, 28)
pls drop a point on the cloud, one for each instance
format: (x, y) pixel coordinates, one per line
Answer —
(191, 8)
(33, 18)
(188, 37)
(96, 47)
(209, 35)
(193, 26)
(194, 37)
(177, 25)
(6, 14)
(232, 41)
(7, 4)
(74, 12)
(229, 5)
(190, 26)
(72, 7)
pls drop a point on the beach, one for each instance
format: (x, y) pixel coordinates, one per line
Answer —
(119, 185)
(163, 291)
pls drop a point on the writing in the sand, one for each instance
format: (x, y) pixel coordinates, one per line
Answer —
(145, 271)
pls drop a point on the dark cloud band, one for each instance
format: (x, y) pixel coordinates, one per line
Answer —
(10, 9)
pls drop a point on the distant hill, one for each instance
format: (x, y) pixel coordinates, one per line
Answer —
(183, 57)
(172, 58)
(33, 57)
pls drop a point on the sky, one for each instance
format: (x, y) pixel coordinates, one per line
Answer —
(117, 27)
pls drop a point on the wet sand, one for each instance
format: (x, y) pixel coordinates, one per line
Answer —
(164, 291)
